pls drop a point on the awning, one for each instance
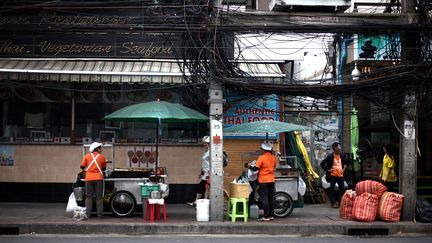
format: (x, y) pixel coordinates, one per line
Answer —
(93, 71)
(118, 71)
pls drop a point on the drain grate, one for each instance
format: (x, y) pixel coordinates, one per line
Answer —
(368, 232)
(9, 231)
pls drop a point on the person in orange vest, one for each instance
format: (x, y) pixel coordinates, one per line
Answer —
(94, 164)
(266, 164)
(334, 165)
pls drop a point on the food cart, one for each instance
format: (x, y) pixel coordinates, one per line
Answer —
(286, 196)
(122, 186)
(286, 182)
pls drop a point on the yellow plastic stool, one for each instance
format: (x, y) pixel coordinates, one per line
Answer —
(233, 209)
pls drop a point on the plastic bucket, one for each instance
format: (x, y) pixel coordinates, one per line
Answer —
(254, 211)
(203, 210)
(79, 193)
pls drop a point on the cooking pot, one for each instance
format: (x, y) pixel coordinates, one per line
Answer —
(155, 195)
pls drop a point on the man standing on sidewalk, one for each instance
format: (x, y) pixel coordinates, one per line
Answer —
(334, 165)
(94, 163)
(266, 164)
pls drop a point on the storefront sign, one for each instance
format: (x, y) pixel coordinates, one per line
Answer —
(250, 110)
(149, 45)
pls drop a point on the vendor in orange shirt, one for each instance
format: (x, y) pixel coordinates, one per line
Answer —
(334, 165)
(266, 164)
(94, 163)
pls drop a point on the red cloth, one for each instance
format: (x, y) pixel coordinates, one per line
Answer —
(390, 206)
(346, 205)
(370, 186)
(365, 207)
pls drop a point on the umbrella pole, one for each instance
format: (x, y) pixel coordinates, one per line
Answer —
(266, 137)
(157, 148)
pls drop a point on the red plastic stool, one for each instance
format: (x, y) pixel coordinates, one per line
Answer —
(150, 206)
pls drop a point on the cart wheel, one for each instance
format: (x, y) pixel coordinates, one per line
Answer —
(282, 204)
(122, 204)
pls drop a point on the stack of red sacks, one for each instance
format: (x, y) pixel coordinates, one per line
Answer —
(370, 199)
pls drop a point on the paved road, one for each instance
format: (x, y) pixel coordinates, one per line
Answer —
(211, 238)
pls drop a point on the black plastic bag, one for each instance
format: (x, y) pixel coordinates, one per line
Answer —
(423, 211)
(79, 182)
(225, 159)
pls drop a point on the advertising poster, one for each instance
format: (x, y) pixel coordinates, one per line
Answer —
(6, 155)
(387, 46)
(237, 112)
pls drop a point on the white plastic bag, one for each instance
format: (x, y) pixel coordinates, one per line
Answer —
(252, 175)
(326, 184)
(80, 213)
(72, 204)
(164, 189)
(301, 187)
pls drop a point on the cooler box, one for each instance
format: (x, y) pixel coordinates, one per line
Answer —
(147, 189)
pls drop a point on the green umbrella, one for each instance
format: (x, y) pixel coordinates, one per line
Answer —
(266, 126)
(156, 111)
(354, 138)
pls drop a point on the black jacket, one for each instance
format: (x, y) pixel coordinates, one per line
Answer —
(327, 164)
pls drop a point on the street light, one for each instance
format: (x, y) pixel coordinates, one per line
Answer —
(355, 73)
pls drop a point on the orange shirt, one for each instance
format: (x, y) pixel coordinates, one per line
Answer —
(266, 164)
(93, 172)
(337, 170)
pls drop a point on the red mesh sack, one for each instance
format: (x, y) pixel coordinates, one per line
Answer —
(365, 207)
(390, 206)
(346, 205)
(370, 186)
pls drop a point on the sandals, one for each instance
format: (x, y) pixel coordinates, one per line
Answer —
(264, 219)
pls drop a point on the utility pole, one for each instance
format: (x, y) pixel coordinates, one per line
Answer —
(216, 143)
(408, 157)
(216, 152)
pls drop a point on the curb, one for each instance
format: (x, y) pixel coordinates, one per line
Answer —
(217, 228)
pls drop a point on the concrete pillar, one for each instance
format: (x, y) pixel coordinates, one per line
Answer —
(216, 152)
(408, 157)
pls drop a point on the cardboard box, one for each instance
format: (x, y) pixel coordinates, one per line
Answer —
(239, 190)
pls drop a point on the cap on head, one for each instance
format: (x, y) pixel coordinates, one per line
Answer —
(206, 139)
(266, 147)
(94, 146)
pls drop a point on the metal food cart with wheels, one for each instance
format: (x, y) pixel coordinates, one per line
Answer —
(286, 196)
(122, 186)
(286, 182)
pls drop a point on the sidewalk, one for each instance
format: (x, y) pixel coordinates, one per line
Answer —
(316, 219)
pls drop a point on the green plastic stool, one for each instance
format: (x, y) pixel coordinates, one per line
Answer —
(233, 209)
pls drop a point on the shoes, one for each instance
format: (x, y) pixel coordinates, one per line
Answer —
(334, 205)
(100, 216)
(264, 219)
(192, 204)
(271, 218)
